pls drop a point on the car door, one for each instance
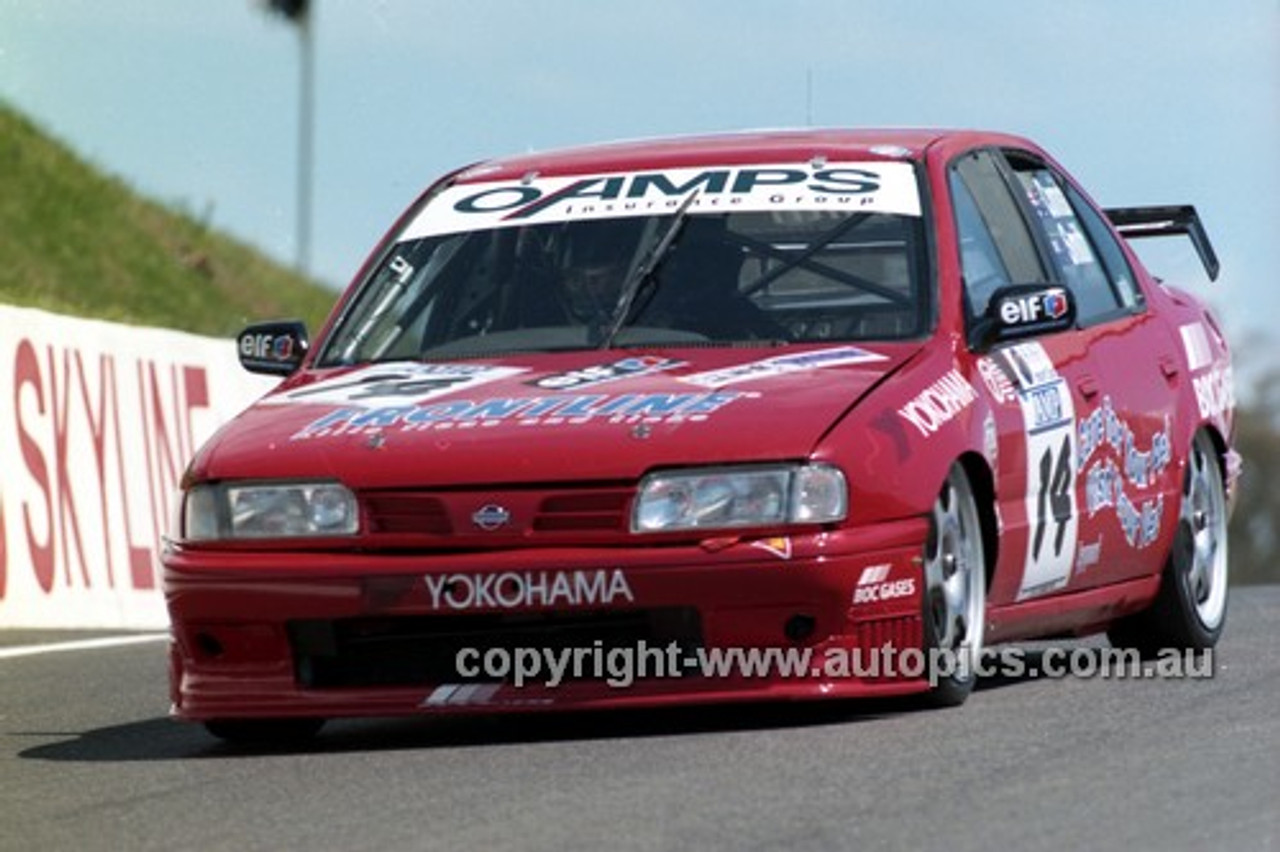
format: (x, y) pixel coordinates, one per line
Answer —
(1126, 381)
(1038, 386)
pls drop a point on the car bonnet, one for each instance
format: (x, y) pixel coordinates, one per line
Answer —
(547, 417)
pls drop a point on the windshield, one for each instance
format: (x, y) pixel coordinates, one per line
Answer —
(789, 273)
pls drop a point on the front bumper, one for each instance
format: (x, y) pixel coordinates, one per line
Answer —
(286, 634)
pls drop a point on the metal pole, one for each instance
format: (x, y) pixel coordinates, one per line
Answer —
(306, 96)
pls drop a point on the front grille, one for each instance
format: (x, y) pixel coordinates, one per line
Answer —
(407, 517)
(583, 512)
(406, 512)
(422, 650)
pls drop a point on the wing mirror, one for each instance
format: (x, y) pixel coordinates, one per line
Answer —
(1026, 310)
(274, 348)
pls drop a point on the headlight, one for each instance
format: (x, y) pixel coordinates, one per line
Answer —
(717, 498)
(269, 510)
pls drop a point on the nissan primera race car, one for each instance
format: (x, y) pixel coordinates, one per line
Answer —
(826, 395)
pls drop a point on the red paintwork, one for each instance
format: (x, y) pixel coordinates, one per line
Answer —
(244, 594)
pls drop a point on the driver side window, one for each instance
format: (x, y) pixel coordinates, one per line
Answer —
(996, 247)
(980, 263)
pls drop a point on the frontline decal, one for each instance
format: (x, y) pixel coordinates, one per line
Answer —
(880, 187)
(558, 410)
(528, 589)
(1107, 475)
(1048, 420)
(782, 365)
(408, 383)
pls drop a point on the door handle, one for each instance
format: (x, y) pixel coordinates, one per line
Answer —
(1088, 386)
(1168, 366)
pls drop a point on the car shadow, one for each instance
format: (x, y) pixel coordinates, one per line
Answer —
(163, 739)
(1031, 663)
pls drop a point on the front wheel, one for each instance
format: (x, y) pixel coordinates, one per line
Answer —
(955, 593)
(1191, 608)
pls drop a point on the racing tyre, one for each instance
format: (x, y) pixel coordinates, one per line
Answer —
(265, 732)
(955, 593)
(1191, 607)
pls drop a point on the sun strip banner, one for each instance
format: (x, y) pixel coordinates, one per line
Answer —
(873, 187)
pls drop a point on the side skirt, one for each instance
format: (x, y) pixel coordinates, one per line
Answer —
(1072, 613)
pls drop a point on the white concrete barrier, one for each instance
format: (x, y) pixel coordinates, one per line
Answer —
(97, 424)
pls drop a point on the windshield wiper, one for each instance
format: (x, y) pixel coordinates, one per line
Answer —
(643, 273)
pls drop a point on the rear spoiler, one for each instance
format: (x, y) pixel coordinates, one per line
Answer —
(1137, 222)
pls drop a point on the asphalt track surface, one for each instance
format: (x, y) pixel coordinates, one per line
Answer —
(90, 761)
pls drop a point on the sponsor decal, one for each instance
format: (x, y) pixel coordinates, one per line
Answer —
(640, 365)
(267, 347)
(406, 383)
(1048, 420)
(877, 186)
(1066, 240)
(991, 441)
(1029, 364)
(1104, 429)
(1071, 242)
(1049, 304)
(559, 410)
(1215, 391)
(458, 694)
(1088, 556)
(874, 585)
(1140, 522)
(997, 381)
(1124, 464)
(782, 365)
(779, 546)
(528, 589)
(1045, 406)
(1195, 341)
(937, 404)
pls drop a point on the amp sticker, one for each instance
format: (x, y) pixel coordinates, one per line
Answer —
(877, 187)
(1048, 420)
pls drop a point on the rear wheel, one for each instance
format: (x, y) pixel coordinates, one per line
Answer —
(955, 593)
(265, 732)
(1191, 607)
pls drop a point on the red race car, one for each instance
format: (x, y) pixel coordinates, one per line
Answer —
(740, 417)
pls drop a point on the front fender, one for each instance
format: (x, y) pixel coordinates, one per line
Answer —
(899, 443)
